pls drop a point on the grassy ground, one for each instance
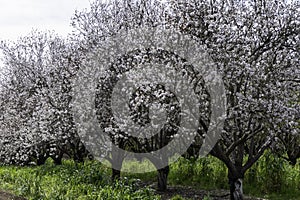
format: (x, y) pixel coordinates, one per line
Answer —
(271, 178)
(69, 181)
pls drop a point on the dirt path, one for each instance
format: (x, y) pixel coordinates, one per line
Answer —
(191, 193)
(196, 194)
(8, 196)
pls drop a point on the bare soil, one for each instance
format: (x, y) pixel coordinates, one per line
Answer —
(192, 193)
(196, 194)
(8, 196)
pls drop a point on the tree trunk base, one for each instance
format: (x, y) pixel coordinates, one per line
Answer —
(236, 189)
(116, 175)
(162, 178)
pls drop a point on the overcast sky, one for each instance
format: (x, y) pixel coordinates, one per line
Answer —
(19, 17)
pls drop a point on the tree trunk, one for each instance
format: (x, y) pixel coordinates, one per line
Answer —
(57, 159)
(116, 174)
(117, 161)
(41, 158)
(162, 178)
(236, 189)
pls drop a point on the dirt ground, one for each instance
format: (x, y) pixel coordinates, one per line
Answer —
(186, 192)
(7, 196)
(193, 194)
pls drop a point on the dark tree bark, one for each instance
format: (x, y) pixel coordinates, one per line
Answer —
(236, 189)
(162, 178)
(117, 161)
(57, 159)
(236, 170)
(236, 185)
(41, 159)
(293, 155)
(116, 174)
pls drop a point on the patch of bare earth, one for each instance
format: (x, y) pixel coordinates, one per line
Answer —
(8, 196)
(194, 194)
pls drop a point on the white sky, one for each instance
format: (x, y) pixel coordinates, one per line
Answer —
(19, 17)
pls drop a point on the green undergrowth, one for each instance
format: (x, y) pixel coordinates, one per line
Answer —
(205, 173)
(274, 178)
(271, 177)
(89, 181)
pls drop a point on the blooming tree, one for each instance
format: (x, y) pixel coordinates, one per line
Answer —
(36, 114)
(104, 20)
(254, 44)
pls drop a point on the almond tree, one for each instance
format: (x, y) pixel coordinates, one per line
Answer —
(102, 21)
(254, 44)
(36, 119)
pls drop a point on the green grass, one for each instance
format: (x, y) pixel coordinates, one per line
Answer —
(67, 182)
(205, 173)
(136, 166)
(271, 177)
